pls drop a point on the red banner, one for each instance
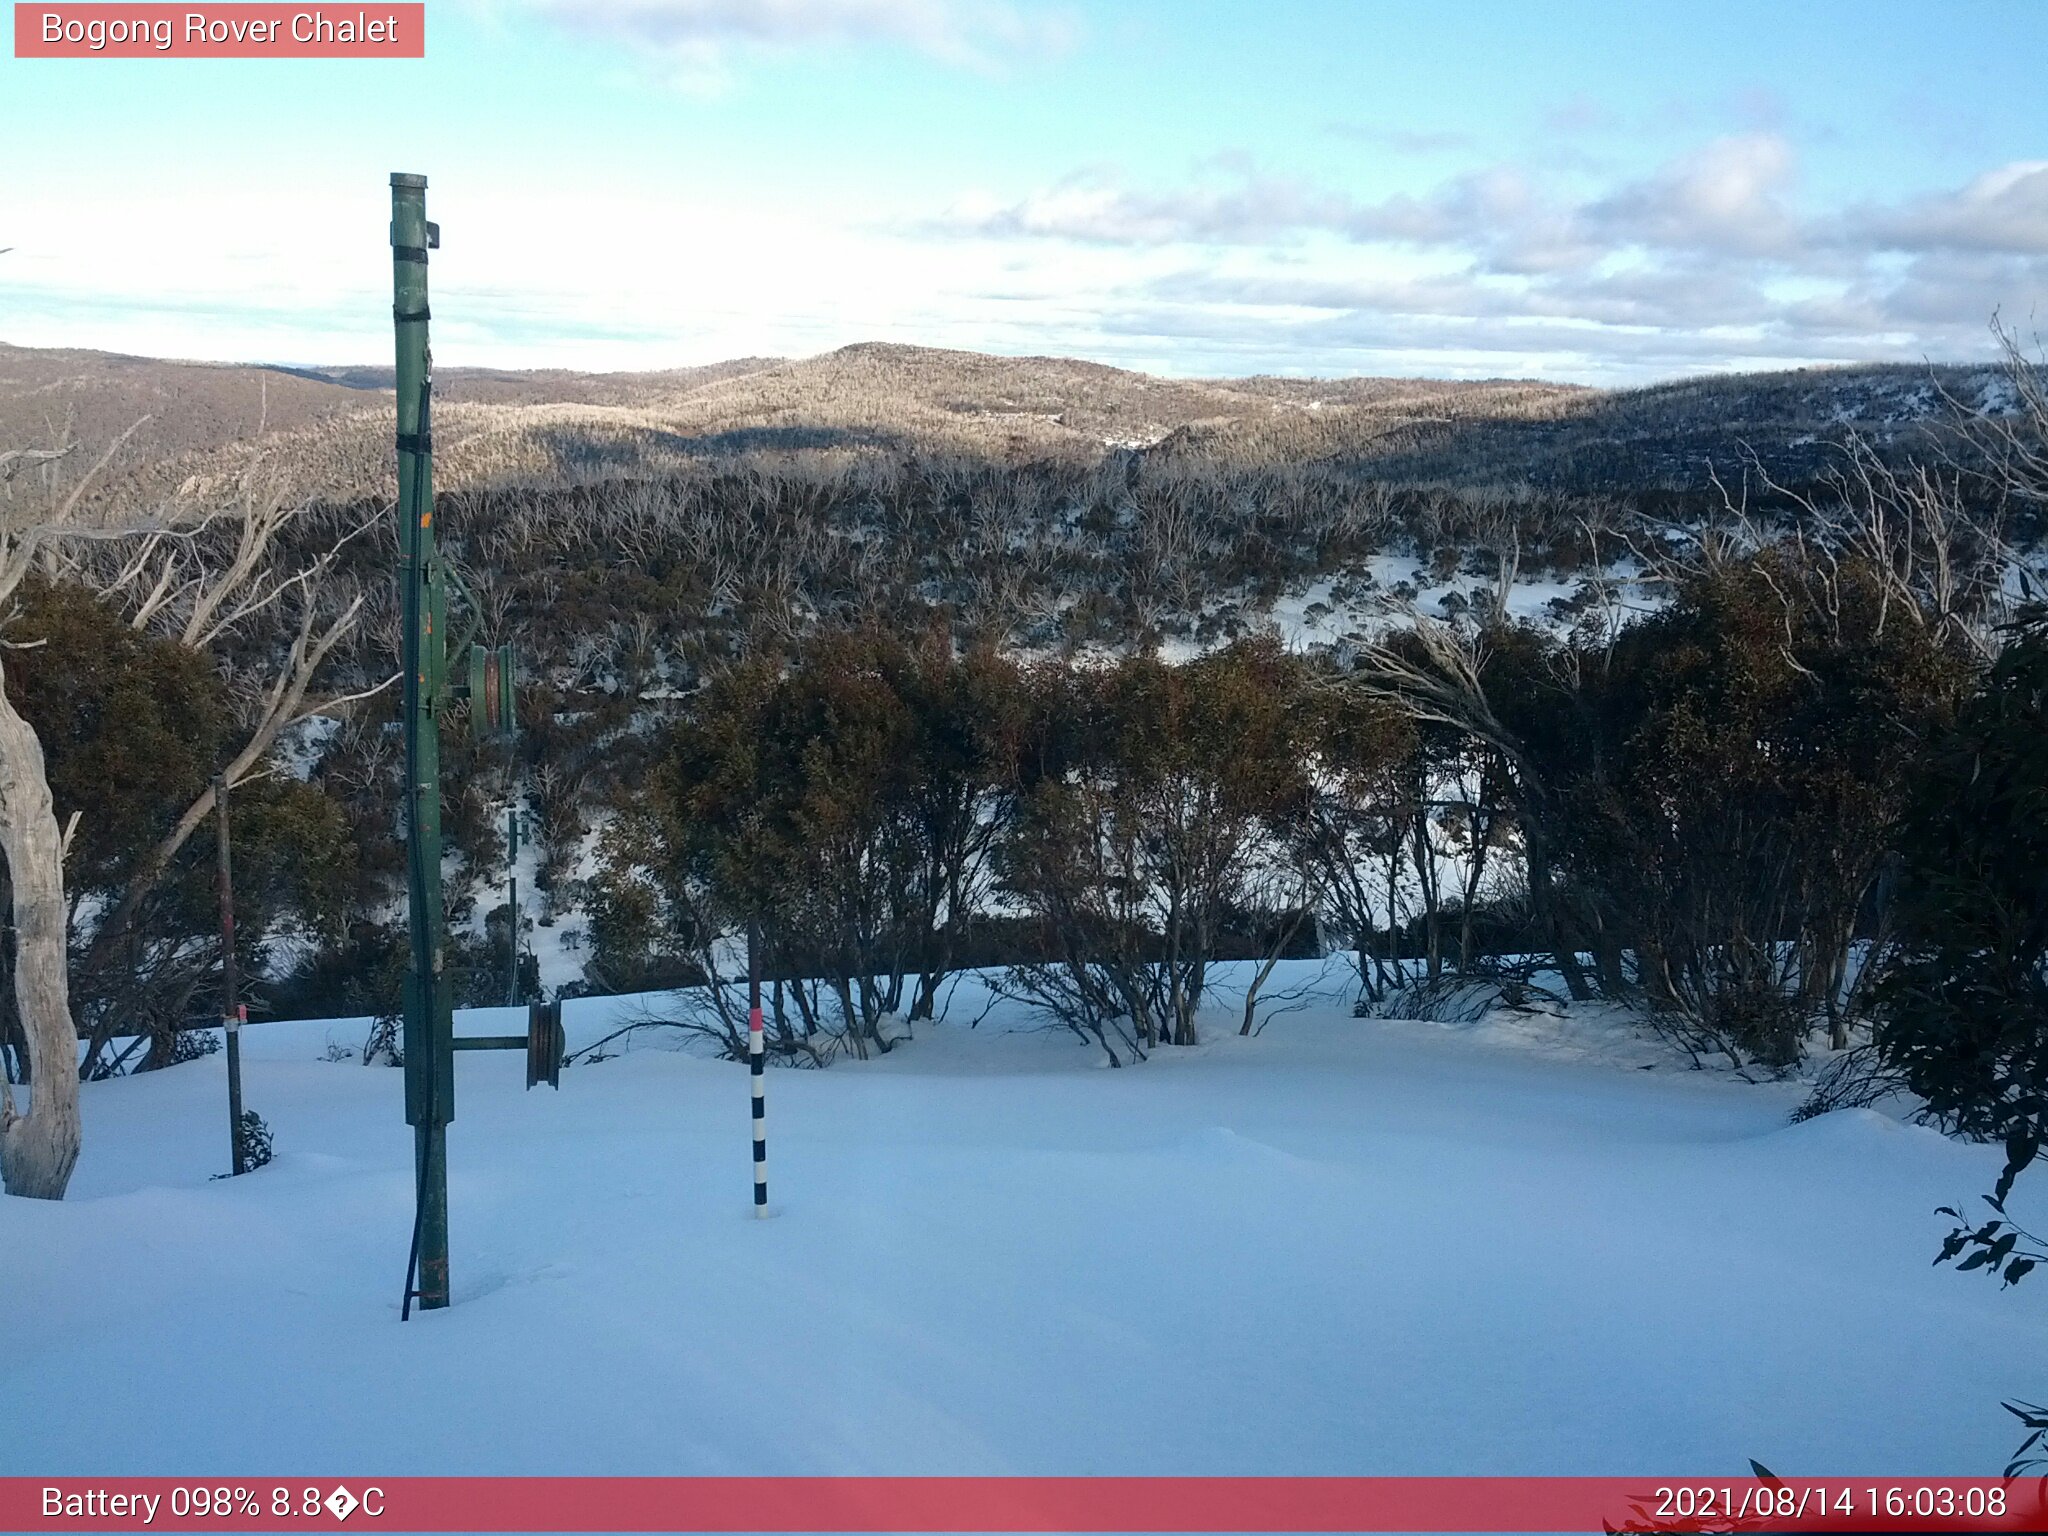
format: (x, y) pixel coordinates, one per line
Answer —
(1253, 1504)
(236, 31)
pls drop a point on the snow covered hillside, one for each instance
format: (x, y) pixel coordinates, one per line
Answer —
(1343, 1246)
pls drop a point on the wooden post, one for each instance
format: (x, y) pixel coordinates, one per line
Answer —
(231, 1011)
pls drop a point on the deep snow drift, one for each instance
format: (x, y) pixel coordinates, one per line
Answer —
(1345, 1246)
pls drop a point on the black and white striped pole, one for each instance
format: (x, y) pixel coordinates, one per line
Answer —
(757, 1061)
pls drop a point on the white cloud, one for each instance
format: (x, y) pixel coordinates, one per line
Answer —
(1249, 208)
(699, 38)
(1708, 261)
(2003, 211)
(1710, 255)
(1727, 195)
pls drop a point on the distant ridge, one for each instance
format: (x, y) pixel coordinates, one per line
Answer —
(329, 431)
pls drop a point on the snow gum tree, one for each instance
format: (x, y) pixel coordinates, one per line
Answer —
(193, 573)
(1963, 1001)
(39, 1143)
(1707, 800)
(1352, 829)
(1162, 795)
(133, 725)
(847, 805)
(1756, 743)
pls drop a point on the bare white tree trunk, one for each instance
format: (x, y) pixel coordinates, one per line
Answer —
(38, 1149)
(173, 586)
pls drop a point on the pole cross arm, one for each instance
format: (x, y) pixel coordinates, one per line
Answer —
(544, 1042)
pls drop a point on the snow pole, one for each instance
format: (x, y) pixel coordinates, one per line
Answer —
(429, 1013)
(757, 1061)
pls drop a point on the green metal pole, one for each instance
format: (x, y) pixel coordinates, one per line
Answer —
(512, 879)
(429, 1018)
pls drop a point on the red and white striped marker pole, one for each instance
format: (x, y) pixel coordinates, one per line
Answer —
(757, 1061)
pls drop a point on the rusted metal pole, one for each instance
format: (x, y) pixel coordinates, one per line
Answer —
(231, 1011)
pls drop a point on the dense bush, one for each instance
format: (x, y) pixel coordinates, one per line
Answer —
(1157, 808)
(1695, 814)
(133, 726)
(1693, 811)
(842, 805)
(1734, 780)
(1963, 1000)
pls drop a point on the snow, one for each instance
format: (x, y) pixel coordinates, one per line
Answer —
(1387, 591)
(1310, 616)
(556, 943)
(1342, 1246)
(1532, 599)
(1997, 395)
(302, 744)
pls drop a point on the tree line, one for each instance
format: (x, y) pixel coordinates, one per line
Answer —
(1709, 810)
(1708, 813)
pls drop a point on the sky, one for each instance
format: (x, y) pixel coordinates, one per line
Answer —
(1600, 192)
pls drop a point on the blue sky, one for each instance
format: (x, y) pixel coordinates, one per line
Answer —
(1603, 192)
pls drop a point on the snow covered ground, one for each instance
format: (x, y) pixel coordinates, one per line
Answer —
(1390, 590)
(1344, 1246)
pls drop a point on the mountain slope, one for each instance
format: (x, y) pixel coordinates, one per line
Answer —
(327, 430)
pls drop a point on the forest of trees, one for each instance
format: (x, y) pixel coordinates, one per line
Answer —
(1704, 816)
(905, 718)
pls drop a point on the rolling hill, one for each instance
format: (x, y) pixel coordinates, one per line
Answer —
(326, 430)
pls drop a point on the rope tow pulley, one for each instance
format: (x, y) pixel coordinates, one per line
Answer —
(546, 1044)
(493, 673)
